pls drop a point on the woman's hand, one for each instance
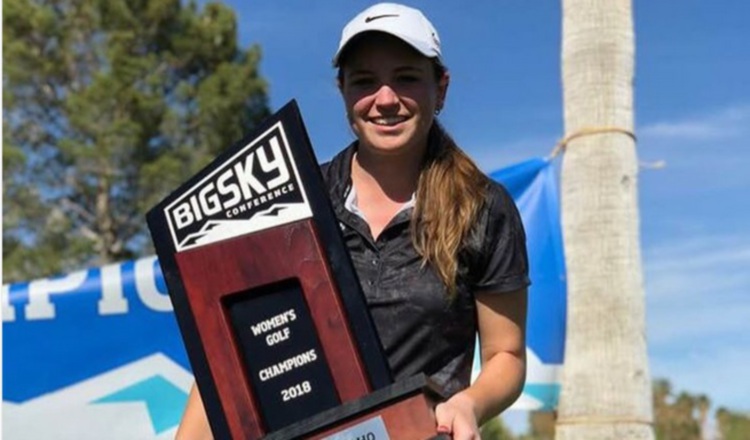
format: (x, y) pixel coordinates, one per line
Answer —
(456, 417)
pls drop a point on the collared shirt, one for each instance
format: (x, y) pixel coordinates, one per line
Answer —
(351, 203)
(420, 327)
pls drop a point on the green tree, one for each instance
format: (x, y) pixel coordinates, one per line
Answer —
(732, 425)
(678, 416)
(495, 429)
(109, 105)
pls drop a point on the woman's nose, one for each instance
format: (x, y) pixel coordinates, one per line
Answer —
(386, 96)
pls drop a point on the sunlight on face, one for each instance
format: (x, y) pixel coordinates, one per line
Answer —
(391, 94)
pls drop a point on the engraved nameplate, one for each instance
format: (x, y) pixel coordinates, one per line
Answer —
(371, 429)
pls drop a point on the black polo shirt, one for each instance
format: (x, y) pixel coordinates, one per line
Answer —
(420, 327)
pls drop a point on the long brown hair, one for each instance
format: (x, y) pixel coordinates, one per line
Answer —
(450, 192)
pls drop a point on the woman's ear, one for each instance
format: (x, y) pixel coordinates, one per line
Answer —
(340, 82)
(443, 84)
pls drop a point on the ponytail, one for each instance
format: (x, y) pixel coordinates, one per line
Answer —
(450, 193)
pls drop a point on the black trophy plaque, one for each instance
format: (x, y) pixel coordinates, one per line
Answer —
(270, 309)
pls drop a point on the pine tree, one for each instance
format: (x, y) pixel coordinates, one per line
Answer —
(109, 105)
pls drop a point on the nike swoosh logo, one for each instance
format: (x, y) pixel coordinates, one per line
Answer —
(369, 19)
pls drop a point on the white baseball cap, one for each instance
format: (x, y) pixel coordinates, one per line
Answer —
(403, 22)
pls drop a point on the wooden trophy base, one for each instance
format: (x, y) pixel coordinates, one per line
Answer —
(402, 411)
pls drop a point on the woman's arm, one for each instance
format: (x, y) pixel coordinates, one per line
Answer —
(194, 424)
(502, 323)
(502, 326)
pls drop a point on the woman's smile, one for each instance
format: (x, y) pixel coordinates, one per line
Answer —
(388, 121)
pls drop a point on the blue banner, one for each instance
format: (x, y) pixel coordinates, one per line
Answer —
(533, 185)
(97, 353)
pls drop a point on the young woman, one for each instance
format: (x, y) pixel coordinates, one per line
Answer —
(438, 247)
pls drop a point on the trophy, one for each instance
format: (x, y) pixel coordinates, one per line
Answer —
(269, 306)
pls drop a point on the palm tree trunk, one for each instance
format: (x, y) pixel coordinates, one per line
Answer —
(606, 388)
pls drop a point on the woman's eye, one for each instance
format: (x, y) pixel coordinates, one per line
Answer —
(408, 78)
(362, 82)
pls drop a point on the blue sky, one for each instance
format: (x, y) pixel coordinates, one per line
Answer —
(692, 97)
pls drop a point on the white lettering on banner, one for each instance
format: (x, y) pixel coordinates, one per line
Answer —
(110, 291)
(145, 285)
(40, 306)
(113, 300)
(273, 322)
(288, 365)
(9, 312)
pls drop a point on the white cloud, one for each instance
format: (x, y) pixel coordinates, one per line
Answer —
(706, 156)
(691, 268)
(726, 123)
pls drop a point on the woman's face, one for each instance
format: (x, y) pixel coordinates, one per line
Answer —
(391, 94)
